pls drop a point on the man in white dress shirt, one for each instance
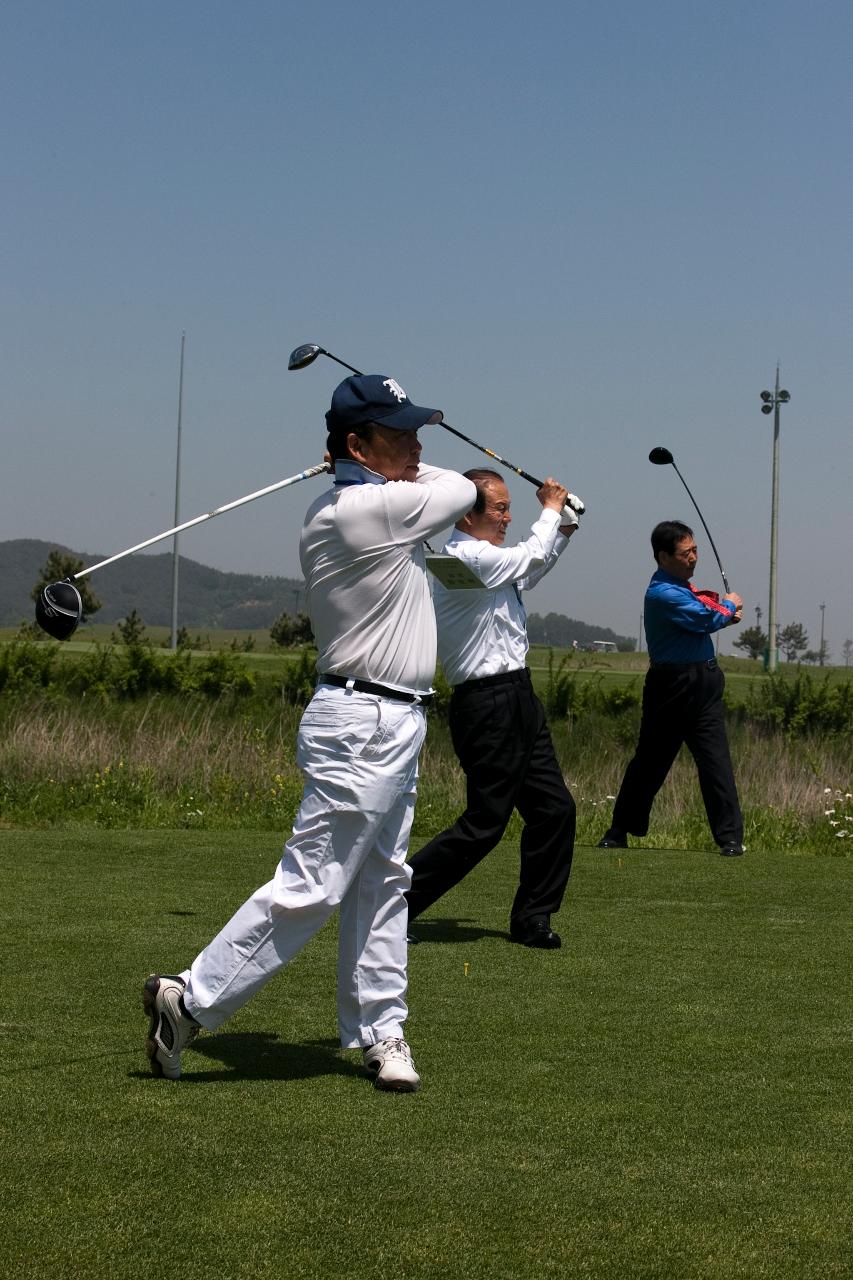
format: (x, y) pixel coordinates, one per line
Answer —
(496, 721)
(369, 601)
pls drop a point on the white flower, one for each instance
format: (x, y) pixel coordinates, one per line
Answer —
(833, 822)
(839, 834)
(827, 813)
(827, 791)
(611, 797)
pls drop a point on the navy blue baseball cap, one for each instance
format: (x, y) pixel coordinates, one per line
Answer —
(373, 397)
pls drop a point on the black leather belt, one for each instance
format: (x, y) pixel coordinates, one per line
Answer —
(380, 690)
(521, 676)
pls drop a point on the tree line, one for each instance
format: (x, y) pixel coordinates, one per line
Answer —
(793, 643)
(554, 629)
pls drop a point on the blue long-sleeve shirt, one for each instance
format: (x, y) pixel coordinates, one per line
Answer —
(678, 624)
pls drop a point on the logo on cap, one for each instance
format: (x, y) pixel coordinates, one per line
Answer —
(396, 390)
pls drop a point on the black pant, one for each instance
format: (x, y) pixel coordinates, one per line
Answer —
(502, 740)
(681, 704)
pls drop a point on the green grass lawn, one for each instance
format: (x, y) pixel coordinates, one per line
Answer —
(664, 1097)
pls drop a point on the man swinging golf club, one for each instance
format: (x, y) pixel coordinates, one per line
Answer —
(368, 598)
(497, 723)
(682, 697)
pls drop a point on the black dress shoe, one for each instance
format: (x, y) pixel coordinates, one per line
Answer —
(731, 850)
(613, 840)
(537, 934)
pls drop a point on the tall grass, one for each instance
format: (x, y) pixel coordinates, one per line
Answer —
(160, 762)
(182, 761)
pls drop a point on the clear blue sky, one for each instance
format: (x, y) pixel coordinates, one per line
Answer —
(580, 229)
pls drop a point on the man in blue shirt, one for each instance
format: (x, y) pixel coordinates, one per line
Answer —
(682, 697)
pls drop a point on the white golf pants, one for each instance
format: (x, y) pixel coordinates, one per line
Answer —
(359, 756)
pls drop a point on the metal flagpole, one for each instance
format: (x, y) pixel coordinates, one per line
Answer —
(174, 641)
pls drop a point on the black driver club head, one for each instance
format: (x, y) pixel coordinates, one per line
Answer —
(59, 609)
(661, 457)
(302, 356)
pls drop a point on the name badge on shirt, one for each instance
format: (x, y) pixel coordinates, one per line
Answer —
(453, 574)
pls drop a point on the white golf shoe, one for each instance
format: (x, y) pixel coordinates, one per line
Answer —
(390, 1064)
(171, 1027)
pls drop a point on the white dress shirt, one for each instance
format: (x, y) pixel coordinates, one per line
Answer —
(362, 555)
(484, 632)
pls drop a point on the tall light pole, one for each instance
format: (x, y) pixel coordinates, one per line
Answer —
(822, 609)
(771, 402)
(174, 641)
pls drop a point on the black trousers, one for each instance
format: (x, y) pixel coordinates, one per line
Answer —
(682, 704)
(504, 746)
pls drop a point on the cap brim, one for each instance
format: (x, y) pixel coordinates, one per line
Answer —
(410, 418)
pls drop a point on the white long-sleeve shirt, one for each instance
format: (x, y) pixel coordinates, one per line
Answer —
(484, 632)
(368, 591)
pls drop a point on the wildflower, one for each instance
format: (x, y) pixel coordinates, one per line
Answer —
(839, 834)
(827, 813)
(827, 791)
(611, 797)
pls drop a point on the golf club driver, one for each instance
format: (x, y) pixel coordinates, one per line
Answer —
(302, 356)
(661, 458)
(59, 608)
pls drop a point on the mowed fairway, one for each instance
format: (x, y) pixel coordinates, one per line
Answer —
(667, 1096)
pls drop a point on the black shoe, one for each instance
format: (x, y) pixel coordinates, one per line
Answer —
(731, 850)
(537, 934)
(613, 839)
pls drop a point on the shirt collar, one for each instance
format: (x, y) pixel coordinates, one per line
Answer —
(347, 472)
(661, 575)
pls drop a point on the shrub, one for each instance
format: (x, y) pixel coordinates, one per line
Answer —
(24, 663)
(801, 706)
(299, 679)
(561, 694)
(566, 697)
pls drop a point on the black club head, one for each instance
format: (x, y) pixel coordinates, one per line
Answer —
(59, 609)
(302, 356)
(660, 457)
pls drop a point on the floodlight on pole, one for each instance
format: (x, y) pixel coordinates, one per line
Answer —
(771, 400)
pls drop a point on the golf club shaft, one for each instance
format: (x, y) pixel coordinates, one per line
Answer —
(704, 526)
(229, 506)
(519, 471)
(525, 475)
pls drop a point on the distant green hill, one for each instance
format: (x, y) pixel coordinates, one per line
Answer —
(207, 597)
